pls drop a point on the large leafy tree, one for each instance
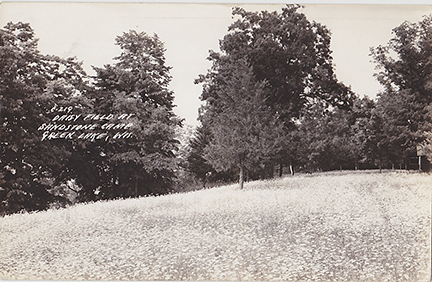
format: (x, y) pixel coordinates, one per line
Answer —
(140, 69)
(289, 52)
(137, 84)
(290, 56)
(405, 70)
(30, 85)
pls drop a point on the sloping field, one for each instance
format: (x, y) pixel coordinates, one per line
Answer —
(358, 226)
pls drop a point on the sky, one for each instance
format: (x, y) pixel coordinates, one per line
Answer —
(189, 31)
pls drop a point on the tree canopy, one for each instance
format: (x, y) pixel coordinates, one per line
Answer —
(137, 84)
(405, 70)
(31, 84)
(36, 89)
(287, 51)
(289, 66)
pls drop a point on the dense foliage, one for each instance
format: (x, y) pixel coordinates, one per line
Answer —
(245, 133)
(270, 68)
(31, 84)
(271, 103)
(325, 126)
(405, 71)
(136, 85)
(38, 171)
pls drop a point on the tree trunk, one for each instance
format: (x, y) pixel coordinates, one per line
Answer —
(241, 177)
(291, 169)
(420, 163)
(280, 169)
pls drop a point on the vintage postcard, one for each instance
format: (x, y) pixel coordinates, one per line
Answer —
(215, 141)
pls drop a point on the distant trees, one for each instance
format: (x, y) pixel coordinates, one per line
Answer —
(334, 138)
(364, 129)
(325, 136)
(198, 166)
(384, 133)
(405, 71)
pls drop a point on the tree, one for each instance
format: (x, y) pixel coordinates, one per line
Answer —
(290, 55)
(405, 70)
(427, 145)
(197, 164)
(401, 128)
(289, 52)
(137, 85)
(245, 133)
(30, 85)
(35, 87)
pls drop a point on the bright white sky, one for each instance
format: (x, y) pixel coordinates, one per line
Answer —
(88, 30)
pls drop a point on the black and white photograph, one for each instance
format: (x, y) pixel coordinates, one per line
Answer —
(215, 141)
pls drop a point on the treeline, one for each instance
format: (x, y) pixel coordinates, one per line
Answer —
(35, 89)
(271, 101)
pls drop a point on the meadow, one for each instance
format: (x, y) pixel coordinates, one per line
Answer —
(356, 226)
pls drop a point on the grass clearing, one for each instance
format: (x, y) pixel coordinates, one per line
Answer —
(357, 226)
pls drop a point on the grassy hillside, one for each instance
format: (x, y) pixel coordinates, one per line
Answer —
(358, 226)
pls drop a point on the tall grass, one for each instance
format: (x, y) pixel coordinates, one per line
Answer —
(324, 227)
